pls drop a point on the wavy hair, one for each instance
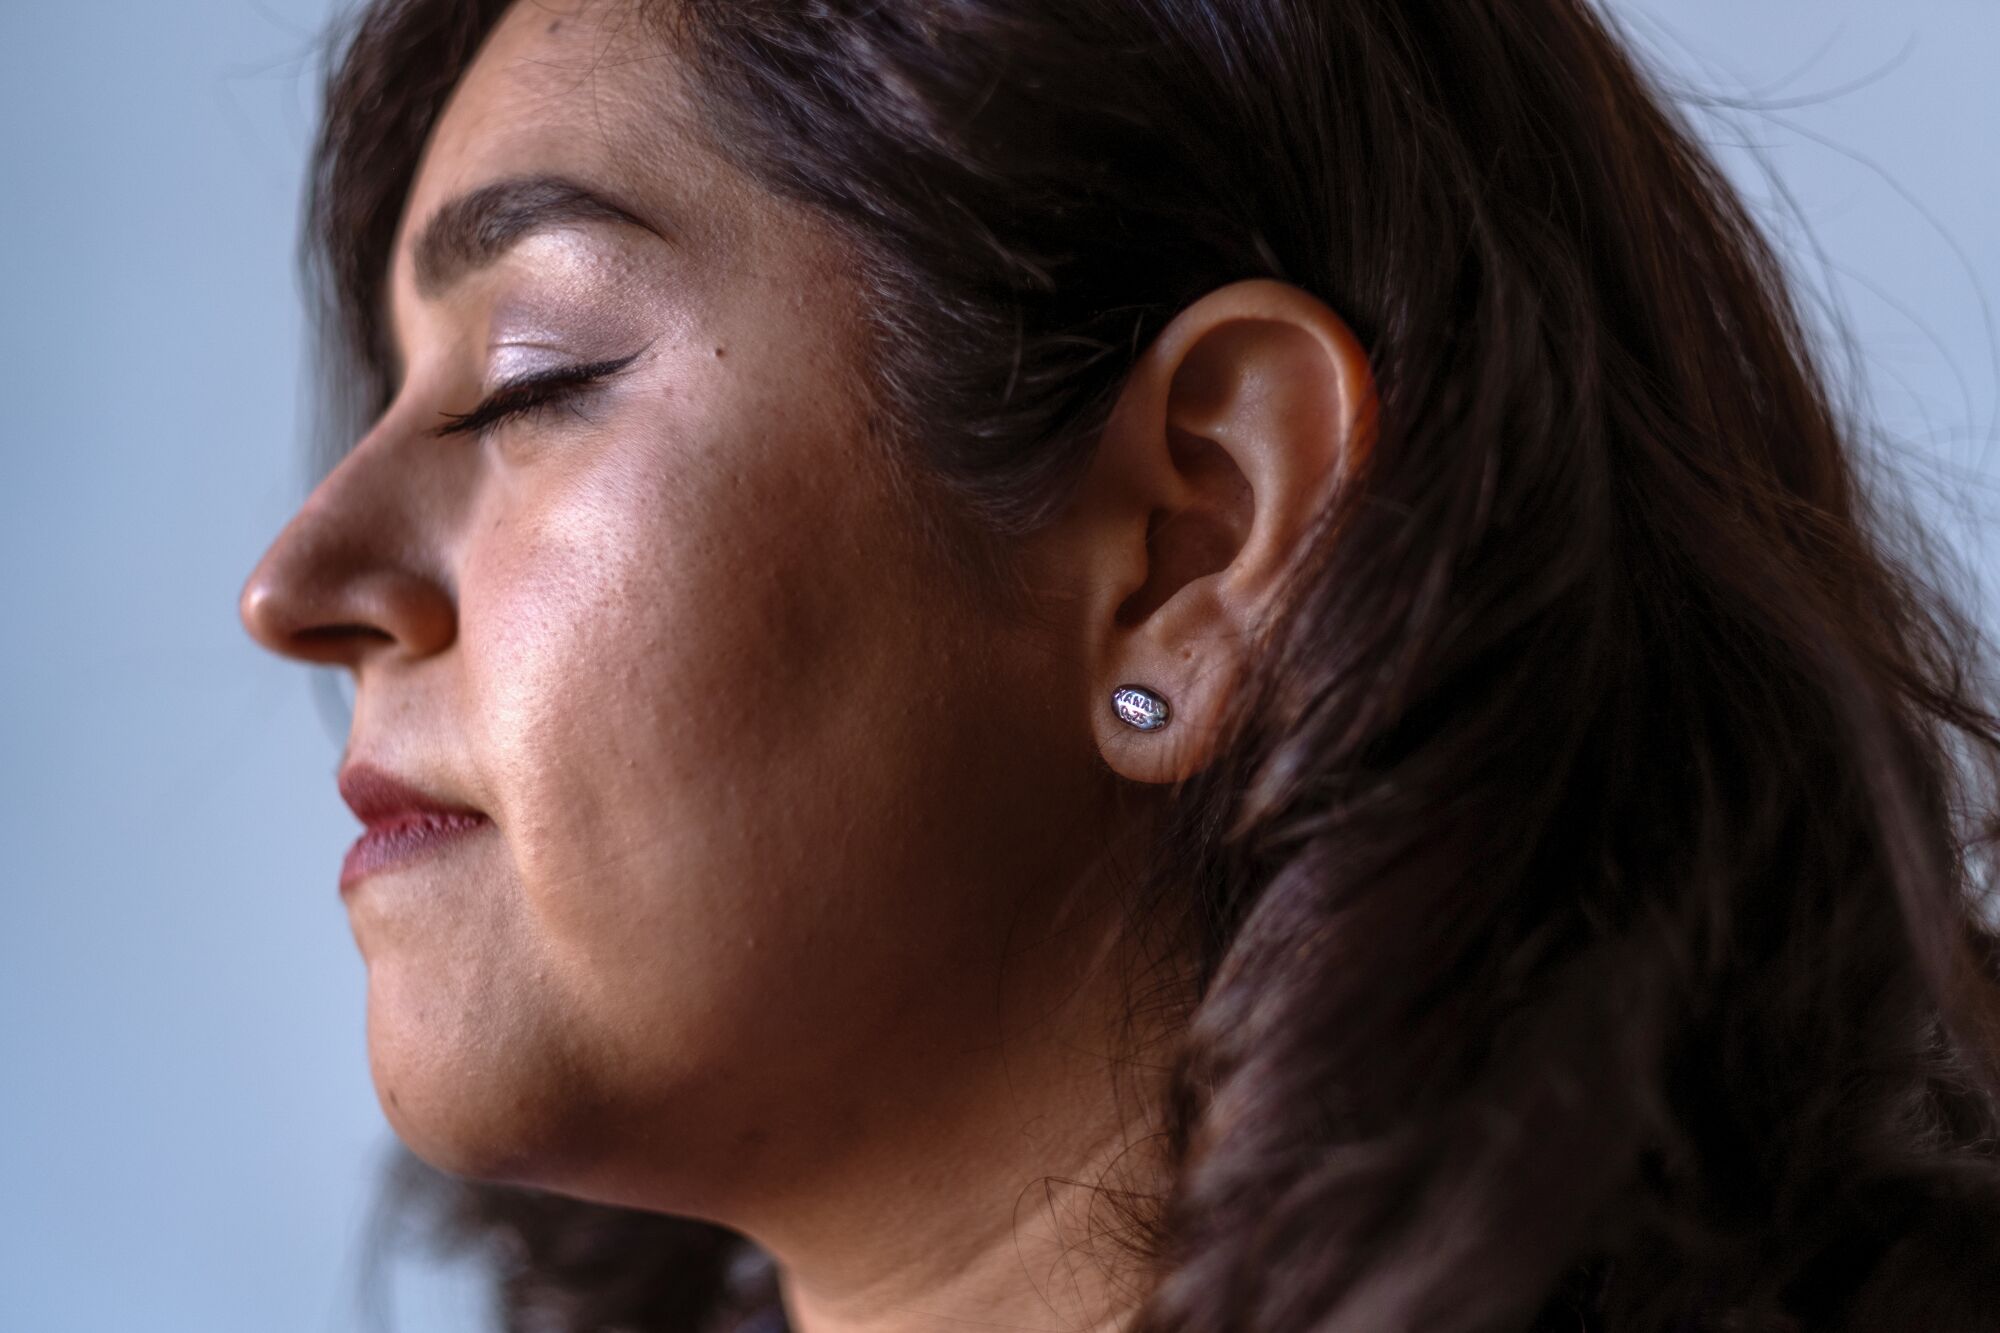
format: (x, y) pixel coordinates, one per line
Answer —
(1593, 894)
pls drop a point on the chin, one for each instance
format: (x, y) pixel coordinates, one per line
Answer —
(472, 1100)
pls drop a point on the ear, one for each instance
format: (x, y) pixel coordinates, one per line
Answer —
(1227, 439)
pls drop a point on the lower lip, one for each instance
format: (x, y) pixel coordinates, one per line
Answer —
(403, 841)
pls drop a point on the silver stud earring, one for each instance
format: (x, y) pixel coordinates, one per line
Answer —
(1139, 708)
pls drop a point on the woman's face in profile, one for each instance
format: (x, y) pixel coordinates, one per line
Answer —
(760, 782)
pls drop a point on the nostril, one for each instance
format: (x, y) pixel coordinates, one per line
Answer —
(334, 643)
(339, 633)
(282, 619)
(326, 601)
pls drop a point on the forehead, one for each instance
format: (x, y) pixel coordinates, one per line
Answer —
(586, 90)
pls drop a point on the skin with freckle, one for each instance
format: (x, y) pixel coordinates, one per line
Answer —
(766, 784)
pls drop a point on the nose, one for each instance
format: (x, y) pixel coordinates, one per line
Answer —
(353, 574)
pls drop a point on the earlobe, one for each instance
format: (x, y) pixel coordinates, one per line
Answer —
(1232, 431)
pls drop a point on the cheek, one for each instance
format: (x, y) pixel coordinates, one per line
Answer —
(646, 631)
(700, 696)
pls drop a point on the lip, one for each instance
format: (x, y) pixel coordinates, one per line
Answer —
(402, 822)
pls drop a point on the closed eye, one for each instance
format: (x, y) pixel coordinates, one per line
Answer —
(530, 393)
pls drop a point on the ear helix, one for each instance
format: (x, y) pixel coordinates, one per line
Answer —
(1139, 708)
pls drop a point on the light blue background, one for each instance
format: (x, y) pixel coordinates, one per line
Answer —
(187, 1131)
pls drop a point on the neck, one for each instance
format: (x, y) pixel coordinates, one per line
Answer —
(1015, 1196)
(1041, 1253)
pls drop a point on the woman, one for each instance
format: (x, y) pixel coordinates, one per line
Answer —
(1127, 664)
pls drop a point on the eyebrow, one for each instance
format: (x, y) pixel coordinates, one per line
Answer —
(476, 228)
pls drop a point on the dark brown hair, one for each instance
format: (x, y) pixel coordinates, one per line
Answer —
(1589, 896)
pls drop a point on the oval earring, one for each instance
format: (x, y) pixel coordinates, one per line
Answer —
(1139, 708)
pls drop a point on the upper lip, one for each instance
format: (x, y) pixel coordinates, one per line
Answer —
(377, 796)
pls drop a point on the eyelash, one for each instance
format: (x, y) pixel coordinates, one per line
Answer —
(530, 394)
